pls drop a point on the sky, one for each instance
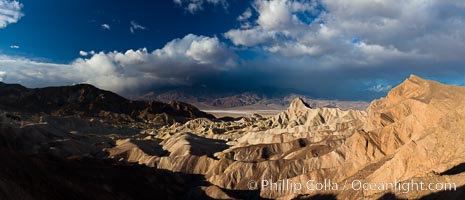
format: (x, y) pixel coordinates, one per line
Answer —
(329, 49)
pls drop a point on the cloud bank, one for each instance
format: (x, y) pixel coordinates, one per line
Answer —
(179, 62)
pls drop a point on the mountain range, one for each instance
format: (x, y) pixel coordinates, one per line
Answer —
(251, 100)
(84, 99)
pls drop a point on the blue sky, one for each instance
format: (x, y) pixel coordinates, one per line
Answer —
(58, 30)
(333, 49)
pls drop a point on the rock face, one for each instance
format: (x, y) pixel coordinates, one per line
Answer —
(416, 133)
(420, 127)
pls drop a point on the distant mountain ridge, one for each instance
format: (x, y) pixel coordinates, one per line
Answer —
(85, 99)
(248, 100)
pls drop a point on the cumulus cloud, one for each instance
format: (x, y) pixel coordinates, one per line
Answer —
(194, 6)
(279, 26)
(34, 73)
(179, 62)
(334, 45)
(316, 28)
(135, 26)
(14, 47)
(10, 12)
(105, 27)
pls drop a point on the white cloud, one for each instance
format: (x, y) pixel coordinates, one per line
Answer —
(194, 6)
(105, 27)
(274, 14)
(10, 12)
(177, 63)
(245, 15)
(34, 73)
(380, 88)
(294, 49)
(86, 53)
(243, 18)
(250, 37)
(276, 20)
(387, 30)
(14, 47)
(208, 51)
(83, 53)
(2, 76)
(135, 26)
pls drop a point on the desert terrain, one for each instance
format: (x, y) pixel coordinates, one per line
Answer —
(80, 142)
(232, 99)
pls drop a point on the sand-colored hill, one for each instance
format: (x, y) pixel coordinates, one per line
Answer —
(415, 133)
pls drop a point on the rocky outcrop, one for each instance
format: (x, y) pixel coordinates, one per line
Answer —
(420, 126)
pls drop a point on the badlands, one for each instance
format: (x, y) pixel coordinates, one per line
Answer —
(79, 142)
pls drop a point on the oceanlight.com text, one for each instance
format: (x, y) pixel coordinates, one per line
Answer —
(329, 185)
